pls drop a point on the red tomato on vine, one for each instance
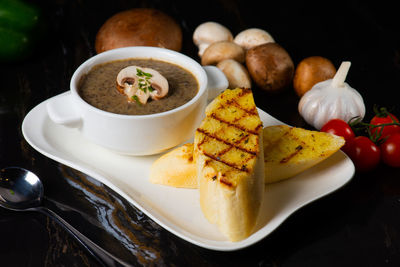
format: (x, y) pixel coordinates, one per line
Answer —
(341, 128)
(364, 153)
(384, 118)
(367, 144)
(390, 150)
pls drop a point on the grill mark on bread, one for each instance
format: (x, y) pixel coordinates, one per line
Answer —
(233, 102)
(226, 182)
(235, 144)
(210, 135)
(244, 91)
(217, 157)
(297, 149)
(253, 111)
(242, 167)
(214, 116)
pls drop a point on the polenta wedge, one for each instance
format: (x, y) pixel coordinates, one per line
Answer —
(291, 150)
(228, 152)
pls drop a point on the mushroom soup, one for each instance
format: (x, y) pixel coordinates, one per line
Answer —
(99, 87)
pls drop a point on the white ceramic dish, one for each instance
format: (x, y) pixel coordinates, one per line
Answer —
(178, 210)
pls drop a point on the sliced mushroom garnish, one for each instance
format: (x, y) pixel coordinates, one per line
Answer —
(141, 96)
(138, 84)
(159, 84)
(127, 82)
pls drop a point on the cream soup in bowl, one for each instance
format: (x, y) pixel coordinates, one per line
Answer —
(144, 134)
(98, 87)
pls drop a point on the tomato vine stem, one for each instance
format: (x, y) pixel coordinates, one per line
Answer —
(358, 125)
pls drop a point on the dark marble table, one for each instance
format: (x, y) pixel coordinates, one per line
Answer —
(358, 225)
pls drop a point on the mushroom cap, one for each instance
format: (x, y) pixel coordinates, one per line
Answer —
(252, 37)
(129, 83)
(139, 27)
(159, 84)
(236, 73)
(310, 71)
(208, 33)
(270, 66)
(219, 51)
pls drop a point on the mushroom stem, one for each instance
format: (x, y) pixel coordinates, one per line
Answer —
(340, 76)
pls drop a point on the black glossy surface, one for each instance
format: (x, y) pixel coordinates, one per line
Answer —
(359, 225)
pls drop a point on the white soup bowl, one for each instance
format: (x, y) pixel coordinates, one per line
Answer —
(137, 134)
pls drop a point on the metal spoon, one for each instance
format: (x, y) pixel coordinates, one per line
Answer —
(22, 190)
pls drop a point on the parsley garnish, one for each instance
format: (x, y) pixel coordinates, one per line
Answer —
(144, 80)
(136, 98)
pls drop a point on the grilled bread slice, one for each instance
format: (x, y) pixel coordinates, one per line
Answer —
(291, 150)
(175, 168)
(230, 167)
(279, 142)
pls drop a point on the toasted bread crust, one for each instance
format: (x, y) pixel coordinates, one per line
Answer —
(228, 154)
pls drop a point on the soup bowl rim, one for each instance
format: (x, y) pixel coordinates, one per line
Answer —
(124, 54)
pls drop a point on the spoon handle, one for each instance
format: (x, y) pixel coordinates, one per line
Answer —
(105, 258)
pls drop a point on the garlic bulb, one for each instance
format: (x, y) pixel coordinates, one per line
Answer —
(331, 99)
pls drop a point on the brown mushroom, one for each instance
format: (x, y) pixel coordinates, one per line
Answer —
(138, 84)
(270, 66)
(219, 51)
(236, 73)
(312, 70)
(139, 27)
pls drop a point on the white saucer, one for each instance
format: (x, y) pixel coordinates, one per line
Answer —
(178, 210)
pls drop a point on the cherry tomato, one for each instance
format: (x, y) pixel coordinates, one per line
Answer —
(390, 150)
(364, 153)
(341, 128)
(387, 130)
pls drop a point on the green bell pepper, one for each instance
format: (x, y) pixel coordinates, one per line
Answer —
(19, 29)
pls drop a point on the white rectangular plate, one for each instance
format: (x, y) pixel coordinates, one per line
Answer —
(178, 210)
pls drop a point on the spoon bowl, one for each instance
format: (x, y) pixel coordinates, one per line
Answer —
(22, 190)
